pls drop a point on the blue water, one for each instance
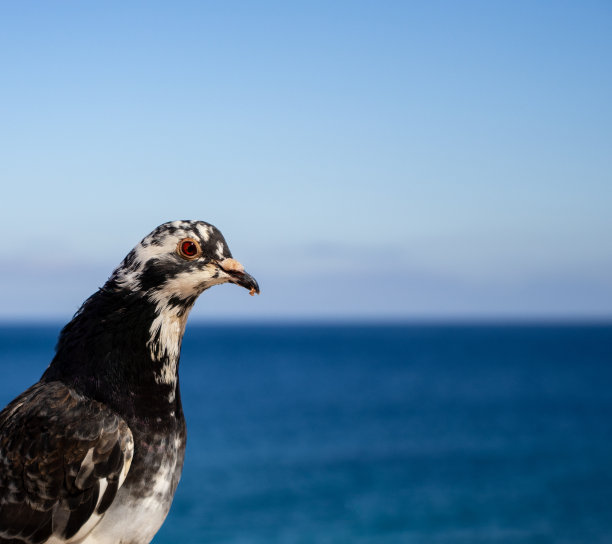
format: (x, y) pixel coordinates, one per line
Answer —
(384, 434)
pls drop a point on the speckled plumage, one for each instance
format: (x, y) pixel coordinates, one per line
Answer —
(93, 452)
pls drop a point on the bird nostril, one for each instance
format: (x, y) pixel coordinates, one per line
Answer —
(231, 265)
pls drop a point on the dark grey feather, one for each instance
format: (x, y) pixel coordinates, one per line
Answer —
(55, 449)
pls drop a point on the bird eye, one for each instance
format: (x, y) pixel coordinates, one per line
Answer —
(189, 249)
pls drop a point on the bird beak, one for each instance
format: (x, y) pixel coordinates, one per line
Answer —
(239, 276)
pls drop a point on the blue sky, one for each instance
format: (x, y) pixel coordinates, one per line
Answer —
(363, 159)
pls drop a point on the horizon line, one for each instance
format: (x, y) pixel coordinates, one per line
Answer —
(390, 320)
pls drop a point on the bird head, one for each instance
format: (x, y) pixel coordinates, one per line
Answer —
(145, 304)
(178, 261)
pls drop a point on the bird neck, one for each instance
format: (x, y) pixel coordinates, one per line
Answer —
(122, 349)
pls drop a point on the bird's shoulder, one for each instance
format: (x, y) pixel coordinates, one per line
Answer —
(63, 457)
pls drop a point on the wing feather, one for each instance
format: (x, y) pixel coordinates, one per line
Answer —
(62, 459)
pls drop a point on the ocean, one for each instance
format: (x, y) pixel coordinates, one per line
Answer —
(379, 433)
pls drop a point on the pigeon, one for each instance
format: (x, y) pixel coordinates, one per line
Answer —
(93, 452)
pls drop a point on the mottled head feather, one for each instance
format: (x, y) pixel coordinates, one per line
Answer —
(155, 263)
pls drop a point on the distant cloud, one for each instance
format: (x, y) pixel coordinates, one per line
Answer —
(321, 280)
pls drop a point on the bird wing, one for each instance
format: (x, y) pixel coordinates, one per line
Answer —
(62, 459)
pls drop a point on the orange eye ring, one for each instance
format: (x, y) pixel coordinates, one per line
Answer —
(189, 249)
